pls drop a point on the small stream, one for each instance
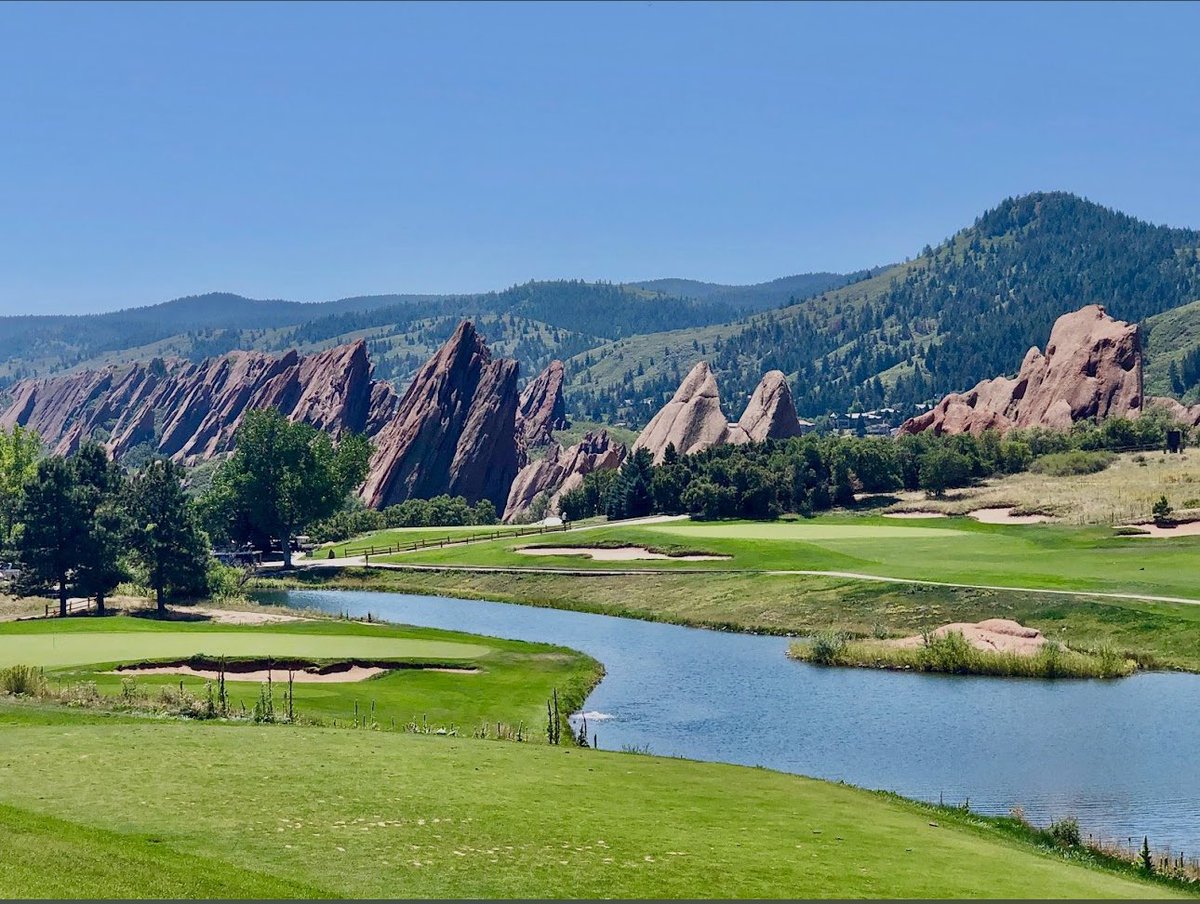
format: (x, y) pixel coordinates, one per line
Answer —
(1118, 755)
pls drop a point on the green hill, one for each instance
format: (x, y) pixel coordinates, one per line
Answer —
(963, 311)
(1172, 343)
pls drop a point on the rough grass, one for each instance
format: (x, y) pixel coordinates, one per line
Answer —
(1122, 493)
(952, 654)
(366, 814)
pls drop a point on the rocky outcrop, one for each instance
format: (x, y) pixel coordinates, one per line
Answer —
(454, 430)
(1184, 414)
(189, 411)
(562, 470)
(693, 419)
(770, 413)
(1092, 369)
(542, 408)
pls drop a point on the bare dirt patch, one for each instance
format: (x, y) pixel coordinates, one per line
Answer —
(992, 635)
(615, 554)
(1004, 515)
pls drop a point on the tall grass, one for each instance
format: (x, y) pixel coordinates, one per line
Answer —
(952, 654)
(22, 680)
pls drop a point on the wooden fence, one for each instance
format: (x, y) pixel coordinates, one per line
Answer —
(450, 540)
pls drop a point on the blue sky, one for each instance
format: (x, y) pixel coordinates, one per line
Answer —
(311, 152)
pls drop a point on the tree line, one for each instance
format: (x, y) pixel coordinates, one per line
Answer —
(815, 472)
(82, 524)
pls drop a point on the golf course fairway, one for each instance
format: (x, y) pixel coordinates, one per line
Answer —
(293, 810)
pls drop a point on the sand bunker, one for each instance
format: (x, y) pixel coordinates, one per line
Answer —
(1188, 529)
(914, 514)
(238, 616)
(1004, 515)
(300, 676)
(616, 554)
(996, 635)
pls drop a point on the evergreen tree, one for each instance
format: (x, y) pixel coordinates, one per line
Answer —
(53, 532)
(164, 533)
(101, 482)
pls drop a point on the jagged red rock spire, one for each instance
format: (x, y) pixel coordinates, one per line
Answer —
(542, 408)
(454, 430)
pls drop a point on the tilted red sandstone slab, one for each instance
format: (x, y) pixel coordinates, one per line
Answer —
(562, 470)
(542, 408)
(454, 430)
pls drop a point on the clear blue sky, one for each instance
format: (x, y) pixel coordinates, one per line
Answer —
(311, 152)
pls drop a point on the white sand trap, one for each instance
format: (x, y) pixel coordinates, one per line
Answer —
(239, 616)
(1189, 529)
(914, 514)
(1004, 515)
(616, 554)
(996, 635)
(300, 676)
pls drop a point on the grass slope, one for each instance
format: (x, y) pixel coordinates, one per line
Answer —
(390, 815)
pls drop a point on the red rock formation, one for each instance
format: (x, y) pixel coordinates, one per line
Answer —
(562, 470)
(770, 413)
(190, 412)
(454, 430)
(542, 408)
(693, 419)
(1185, 414)
(1092, 369)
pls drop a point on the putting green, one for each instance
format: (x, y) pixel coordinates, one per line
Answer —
(802, 531)
(57, 649)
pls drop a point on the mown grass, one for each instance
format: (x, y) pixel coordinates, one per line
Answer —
(44, 857)
(1157, 635)
(951, 654)
(511, 685)
(958, 550)
(376, 814)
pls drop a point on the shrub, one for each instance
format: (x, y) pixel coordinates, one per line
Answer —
(1065, 832)
(948, 653)
(22, 680)
(1068, 464)
(827, 648)
(1162, 509)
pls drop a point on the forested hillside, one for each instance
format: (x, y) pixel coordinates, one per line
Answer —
(960, 312)
(895, 336)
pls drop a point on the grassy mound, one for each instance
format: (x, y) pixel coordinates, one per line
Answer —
(952, 654)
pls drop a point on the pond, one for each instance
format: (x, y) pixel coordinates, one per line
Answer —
(1118, 755)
